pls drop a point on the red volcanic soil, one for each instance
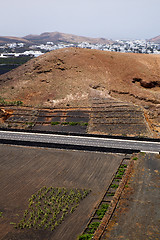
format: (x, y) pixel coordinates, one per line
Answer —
(74, 76)
(72, 73)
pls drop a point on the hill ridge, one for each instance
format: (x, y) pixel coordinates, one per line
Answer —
(67, 77)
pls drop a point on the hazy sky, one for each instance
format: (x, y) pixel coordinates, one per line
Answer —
(112, 19)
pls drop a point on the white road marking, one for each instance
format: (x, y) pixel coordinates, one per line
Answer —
(82, 141)
(80, 137)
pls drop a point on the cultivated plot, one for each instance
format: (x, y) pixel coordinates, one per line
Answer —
(24, 171)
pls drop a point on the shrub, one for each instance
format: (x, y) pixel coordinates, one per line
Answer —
(101, 212)
(85, 236)
(93, 227)
(55, 123)
(114, 186)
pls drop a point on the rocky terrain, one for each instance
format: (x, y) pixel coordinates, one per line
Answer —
(74, 77)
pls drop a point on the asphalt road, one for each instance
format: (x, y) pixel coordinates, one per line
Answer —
(81, 141)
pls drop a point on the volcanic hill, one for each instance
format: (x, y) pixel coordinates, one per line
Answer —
(74, 77)
(57, 37)
(8, 39)
(155, 40)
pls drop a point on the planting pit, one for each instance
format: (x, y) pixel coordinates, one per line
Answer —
(62, 120)
(49, 206)
(24, 171)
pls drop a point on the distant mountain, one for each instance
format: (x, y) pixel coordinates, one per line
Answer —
(63, 37)
(155, 39)
(8, 39)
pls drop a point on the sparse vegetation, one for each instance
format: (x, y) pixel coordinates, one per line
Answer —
(142, 153)
(30, 124)
(110, 194)
(85, 236)
(93, 227)
(102, 210)
(114, 186)
(49, 206)
(55, 123)
(117, 180)
(121, 171)
(13, 103)
(70, 123)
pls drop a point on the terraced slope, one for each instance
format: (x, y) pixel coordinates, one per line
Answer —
(111, 116)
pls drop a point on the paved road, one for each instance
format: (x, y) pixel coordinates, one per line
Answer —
(81, 141)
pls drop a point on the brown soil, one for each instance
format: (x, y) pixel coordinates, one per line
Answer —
(8, 39)
(69, 77)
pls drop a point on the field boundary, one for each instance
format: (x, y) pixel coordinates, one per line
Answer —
(67, 146)
(100, 230)
(97, 224)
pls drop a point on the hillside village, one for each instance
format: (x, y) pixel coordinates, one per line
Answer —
(132, 46)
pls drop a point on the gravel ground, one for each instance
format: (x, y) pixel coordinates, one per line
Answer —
(138, 213)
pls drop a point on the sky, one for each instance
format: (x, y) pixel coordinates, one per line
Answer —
(111, 19)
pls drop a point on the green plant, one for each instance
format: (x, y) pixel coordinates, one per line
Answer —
(135, 158)
(85, 236)
(83, 124)
(70, 123)
(142, 153)
(102, 210)
(1, 214)
(93, 227)
(65, 123)
(110, 194)
(119, 176)
(12, 223)
(14, 103)
(55, 123)
(48, 207)
(117, 180)
(114, 186)
(121, 171)
(123, 166)
(73, 123)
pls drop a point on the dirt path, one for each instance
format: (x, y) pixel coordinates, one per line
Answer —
(137, 215)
